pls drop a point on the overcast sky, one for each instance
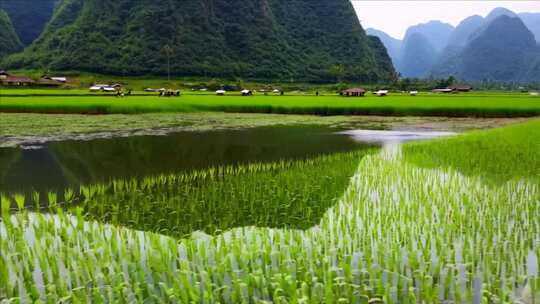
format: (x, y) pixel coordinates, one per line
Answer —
(394, 17)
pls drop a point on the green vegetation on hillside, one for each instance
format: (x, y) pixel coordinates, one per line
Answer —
(9, 42)
(313, 40)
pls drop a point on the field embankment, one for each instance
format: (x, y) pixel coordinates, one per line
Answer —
(489, 105)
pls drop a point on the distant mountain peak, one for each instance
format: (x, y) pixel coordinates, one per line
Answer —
(392, 45)
(435, 31)
(464, 30)
(502, 51)
(498, 12)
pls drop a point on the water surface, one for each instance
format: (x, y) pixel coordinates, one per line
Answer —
(57, 165)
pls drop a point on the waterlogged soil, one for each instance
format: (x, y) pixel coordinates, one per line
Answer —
(31, 130)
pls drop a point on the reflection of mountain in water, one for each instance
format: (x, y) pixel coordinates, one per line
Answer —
(76, 162)
(26, 169)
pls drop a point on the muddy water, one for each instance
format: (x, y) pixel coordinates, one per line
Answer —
(57, 165)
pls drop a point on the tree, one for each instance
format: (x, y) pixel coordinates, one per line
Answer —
(168, 51)
(337, 71)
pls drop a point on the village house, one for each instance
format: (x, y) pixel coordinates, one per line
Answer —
(354, 92)
(445, 90)
(461, 88)
(3, 74)
(10, 80)
(47, 82)
(246, 92)
(382, 93)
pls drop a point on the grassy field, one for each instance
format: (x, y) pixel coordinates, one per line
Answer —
(510, 153)
(461, 105)
(421, 223)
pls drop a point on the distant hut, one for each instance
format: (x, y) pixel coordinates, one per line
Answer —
(461, 88)
(60, 79)
(355, 92)
(381, 93)
(17, 81)
(48, 82)
(445, 90)
(4, 74)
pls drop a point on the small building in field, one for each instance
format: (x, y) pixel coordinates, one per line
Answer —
(381, 93)
(48, 82)
(104, 88)
(4, 74)
(461, 88)
(60, 79)
(17, 81)
(354, 92)
(445, 90)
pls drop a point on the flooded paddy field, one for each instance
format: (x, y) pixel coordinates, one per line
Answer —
(201, 211)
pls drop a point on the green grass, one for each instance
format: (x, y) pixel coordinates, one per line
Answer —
(499, 155)
(401, 233)
(478, 105)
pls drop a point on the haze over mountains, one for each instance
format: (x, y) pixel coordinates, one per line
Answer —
(501, 47)
(314, 40)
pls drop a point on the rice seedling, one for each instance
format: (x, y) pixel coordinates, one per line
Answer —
(399, 234)
(293, 193)
(510, 153)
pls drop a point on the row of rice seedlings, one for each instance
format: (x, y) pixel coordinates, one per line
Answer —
(294, 193)
(400, 234)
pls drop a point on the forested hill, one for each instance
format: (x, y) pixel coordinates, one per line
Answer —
(29, 17)
(9, 42)
(285, 39)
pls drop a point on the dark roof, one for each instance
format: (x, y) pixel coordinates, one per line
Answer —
(354, 90)
(460, 87)
(2, 72)
(20, 79)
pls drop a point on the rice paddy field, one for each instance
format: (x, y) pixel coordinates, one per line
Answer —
(453, 220)
(397, 104)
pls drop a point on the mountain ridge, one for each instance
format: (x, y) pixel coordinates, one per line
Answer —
(282, 39)
(9, 41)
(454, 61)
